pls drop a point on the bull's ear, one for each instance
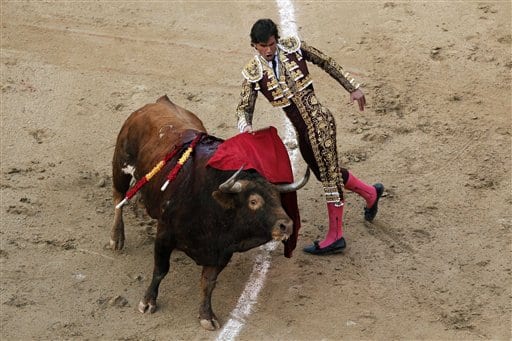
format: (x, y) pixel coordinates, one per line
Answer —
(226, 200)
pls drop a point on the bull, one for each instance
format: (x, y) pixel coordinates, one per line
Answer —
(207, 213)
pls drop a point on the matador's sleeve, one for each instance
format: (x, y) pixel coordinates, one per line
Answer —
(330, 66)
(245, 108)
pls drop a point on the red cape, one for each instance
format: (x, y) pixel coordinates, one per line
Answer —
(264, 152)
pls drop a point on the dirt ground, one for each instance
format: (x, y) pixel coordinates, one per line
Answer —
(436, 262)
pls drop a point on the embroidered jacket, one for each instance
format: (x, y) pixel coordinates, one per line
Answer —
(293, 77)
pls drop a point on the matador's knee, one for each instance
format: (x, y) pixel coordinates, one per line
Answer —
(333, 194)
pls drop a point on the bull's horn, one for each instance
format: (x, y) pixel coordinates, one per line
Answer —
(285, 188)
(231, 185)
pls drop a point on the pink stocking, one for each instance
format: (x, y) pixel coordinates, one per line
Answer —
(368, 192)
(335, 225)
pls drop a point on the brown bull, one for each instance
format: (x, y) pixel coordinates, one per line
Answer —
(207, 213)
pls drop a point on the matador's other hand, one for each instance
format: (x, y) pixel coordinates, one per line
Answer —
(247, 129)
(359, 97)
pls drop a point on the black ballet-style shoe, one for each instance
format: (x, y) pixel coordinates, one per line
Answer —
(335, 247)
(370, 213)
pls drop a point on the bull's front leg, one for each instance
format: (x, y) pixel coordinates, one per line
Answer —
(161, 268)
(207, 318)
(117, 232)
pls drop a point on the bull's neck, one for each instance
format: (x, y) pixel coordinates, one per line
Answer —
(208, 146)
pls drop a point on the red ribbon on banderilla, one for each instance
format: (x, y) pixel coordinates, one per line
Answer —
(170, 177)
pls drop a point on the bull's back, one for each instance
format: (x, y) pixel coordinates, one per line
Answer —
(156, 128)
(180, 118)
(161, 116)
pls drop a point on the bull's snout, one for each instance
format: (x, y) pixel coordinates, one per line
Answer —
(282, 229)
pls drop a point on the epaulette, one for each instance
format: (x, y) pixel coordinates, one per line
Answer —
(290, 44)
(253, 71)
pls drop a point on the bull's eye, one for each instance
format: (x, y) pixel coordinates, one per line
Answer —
(255, 202)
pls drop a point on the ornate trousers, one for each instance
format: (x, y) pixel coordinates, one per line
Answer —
(316, 131)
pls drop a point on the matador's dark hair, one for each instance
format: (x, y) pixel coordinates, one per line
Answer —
(262, 30)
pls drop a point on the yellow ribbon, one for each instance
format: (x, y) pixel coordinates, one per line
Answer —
(155, 170)
(185, 156)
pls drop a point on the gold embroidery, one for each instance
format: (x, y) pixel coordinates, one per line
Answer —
(253, 71)
(287, 93)
(245, 108)
(332, 194)
(277, 94)
(283, 102)
(272, 83)
(290, 44)
(296, 74)
(321, 129)
(330, 66)
(292, 65)
(304, 83)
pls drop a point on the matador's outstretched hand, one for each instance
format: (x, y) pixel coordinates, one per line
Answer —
(247, 129)
(359, 97)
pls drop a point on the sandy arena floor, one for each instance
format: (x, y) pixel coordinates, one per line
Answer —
(436, 262)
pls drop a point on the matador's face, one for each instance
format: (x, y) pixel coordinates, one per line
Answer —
(267, 49)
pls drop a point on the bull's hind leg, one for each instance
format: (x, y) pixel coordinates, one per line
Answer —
(117, 232)
(121, 184)
(161, 268)
(207, 317)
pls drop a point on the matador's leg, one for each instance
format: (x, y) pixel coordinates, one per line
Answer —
(321, 132)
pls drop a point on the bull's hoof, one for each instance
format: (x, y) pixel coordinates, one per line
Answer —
(212, 324)
(147, 307)
(116, 245)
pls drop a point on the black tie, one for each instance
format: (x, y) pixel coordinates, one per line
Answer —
(274, 65)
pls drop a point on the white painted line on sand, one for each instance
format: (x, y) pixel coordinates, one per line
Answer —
(287, 18)
(250, 294)
(262, 262)
(288, 28)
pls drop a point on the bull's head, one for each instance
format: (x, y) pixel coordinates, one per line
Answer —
(282, 226)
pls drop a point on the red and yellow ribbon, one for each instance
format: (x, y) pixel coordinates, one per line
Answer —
(172, 174)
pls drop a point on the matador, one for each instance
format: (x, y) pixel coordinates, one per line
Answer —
(279, 72)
